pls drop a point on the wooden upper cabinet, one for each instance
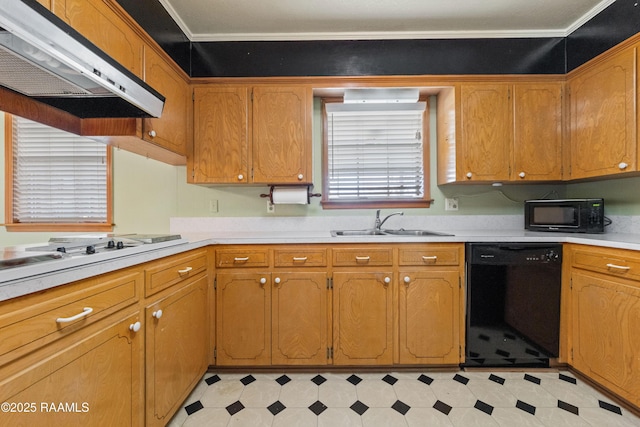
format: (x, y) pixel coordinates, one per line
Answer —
(505, 131)
(45, 3)
(486, 133)
(537, 140)
(282, 135)
(103, 26)
(171, 130)
(264, 140)
(221, 135)
(603, 117)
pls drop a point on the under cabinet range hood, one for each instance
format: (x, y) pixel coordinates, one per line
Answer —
(43, 58)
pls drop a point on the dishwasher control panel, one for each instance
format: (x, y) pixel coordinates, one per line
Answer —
(513, 253)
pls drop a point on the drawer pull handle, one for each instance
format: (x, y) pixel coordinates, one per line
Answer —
(619, 267)
(300, 259)
(430, 258)
(185, 271)
(241, 259)
(85, 312)
(363, 258)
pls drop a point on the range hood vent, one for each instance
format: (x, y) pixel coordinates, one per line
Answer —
(45, 59)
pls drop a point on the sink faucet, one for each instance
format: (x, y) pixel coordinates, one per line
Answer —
(380, 222)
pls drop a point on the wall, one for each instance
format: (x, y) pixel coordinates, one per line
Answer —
(148, 193)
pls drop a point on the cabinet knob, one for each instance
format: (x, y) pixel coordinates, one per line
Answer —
(622, 165)
(521, 174)
(300, 176)
(152, 133)
(263, 280)
(277, 280)
(240, 177)
(135, 327)
(469, 175)
(157, 314)
(407, 279)
(387, 280)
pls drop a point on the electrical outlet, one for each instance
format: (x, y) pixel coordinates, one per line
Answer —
(271, 208)
(213, 206)
(451, 204)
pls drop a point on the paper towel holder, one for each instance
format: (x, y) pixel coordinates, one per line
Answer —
(309, 193)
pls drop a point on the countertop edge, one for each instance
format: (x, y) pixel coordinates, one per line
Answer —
(31, 284)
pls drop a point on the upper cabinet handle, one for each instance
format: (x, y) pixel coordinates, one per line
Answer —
(622, 165)
(85, 311)
(152, 133)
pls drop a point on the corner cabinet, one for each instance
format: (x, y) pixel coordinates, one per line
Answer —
(172, 129)
(603, 124)
(246, 134)
(500, 131)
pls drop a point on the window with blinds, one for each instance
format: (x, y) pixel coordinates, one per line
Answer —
(57, 177)
(374, 154)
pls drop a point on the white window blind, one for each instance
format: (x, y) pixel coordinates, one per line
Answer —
(58, 177)
(375, 151)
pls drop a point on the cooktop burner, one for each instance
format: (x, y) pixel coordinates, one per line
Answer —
(91, 244)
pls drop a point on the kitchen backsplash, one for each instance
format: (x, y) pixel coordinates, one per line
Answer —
(620, 224)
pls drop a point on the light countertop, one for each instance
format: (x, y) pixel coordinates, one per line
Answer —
(27, 279)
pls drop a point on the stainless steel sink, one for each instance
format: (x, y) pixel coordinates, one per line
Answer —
(358, 233)
(399, 232)
(403, 232)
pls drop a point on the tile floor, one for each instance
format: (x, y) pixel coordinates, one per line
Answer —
(465, 398)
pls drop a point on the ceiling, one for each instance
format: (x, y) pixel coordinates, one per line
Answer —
(251, 20)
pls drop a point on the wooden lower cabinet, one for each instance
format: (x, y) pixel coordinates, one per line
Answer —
(243, 318)
(95, 380)
(177, 332)
(606, 333)
(363, 318)
(429, 317)
(271, 318)
(299, 318)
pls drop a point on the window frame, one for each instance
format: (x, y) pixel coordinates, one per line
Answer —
(12, 225)
(423, 202)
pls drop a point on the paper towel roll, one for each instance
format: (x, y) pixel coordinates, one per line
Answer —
(290, 195)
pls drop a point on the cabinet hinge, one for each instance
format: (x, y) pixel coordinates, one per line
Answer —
(215, 352)
(329, 352)
(571, 283)
(215, 283)
(329, 283)
(460, 282)
(193, 173)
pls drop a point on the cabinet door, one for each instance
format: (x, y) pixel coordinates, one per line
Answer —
(177, 334)
(221, 135)
(299, 325)
(363, 318)
(537, 146)
(282, 135)
(171, 129)
(429, 317)
(97, 379)
(101, 25)
(606, 337)
(603, 118)
(243, 318)
(486, 133)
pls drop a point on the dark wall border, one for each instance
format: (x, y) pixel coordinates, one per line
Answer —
(616, 23)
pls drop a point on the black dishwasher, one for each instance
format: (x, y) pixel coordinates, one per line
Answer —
(513, 304)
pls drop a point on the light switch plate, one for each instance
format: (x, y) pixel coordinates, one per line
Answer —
(451, 204)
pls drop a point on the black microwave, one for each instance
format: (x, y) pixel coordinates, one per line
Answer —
(565, 215)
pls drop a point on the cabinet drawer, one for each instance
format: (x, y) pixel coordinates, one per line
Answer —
(427, 255)
(614, 263)
(249, 257)
(172, 270)
(362, 256)
(303, 257)
(32, 321)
